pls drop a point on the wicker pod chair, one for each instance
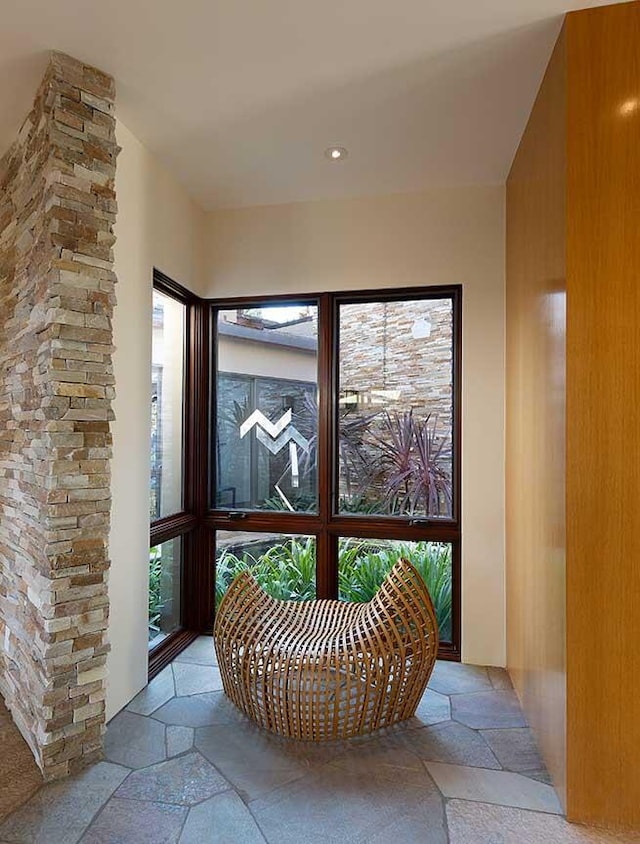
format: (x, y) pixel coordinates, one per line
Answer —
(324, 670)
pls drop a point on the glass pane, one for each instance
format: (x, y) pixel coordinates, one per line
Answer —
(167, 400)
(395, 408)
(364, 563)
(267, 385)
(283, 564)
(165, 566)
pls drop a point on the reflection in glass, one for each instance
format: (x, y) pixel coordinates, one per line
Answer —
(167, 401)
(283, 564)
(396, 408)
(364, 563)
(266, 399)
(165, 565)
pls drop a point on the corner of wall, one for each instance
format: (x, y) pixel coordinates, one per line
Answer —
(57, 209)
(159, 226)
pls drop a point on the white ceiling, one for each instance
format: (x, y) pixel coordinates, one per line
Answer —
(241, 97)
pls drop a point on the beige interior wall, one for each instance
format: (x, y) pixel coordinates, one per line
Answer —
(536, 385)
(157, 226)
(453, 236)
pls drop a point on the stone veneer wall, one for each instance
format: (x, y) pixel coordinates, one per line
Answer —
(57, 209)
(378, 352)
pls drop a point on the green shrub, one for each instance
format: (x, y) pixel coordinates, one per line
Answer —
(365, 563)
(155, 589)
(286, 570)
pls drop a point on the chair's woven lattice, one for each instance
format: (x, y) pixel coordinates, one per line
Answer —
(322, 670)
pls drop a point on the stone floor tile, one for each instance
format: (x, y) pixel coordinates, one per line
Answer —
(501, 787)
(387, 755)
(134, 741)
(515, 749)
(541, 776)
(432, 709)
(372, 789)
(199, 711)
(200, 651)
(480, 823)
(224, 819)
(485, 710)
(60, 812)
(179, 740)
(352, 801)
(454, 744)
(185, 781)
(454, 678)
(159, 691)
(499, 678)
(252, 759)
(136, 823)
(193, 679)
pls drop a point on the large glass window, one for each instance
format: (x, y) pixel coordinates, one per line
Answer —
(396, 407)
(283, 564)
(364, 563)
(335, 444)
(266, 408)
(165, 588)
(167, 405)
(172, 497)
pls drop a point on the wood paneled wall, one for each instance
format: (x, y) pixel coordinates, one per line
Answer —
(535, 490)
(573, 210)
(603, 415)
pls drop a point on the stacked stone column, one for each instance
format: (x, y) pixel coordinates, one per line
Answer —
(57, 210)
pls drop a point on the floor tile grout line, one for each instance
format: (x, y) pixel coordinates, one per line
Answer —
(187, 806)
(183, 824)
(257, 823)
(490, 690)
(486, 802)
(290, 782)
(97, 814)
(236, 790)
(445, 803)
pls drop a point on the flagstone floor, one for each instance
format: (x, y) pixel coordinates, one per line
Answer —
(183, 766)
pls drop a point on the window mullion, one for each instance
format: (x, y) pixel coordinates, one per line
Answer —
(327, 554)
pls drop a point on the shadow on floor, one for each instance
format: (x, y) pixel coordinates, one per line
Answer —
(20, 777)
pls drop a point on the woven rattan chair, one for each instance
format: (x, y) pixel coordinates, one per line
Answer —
(323, 670)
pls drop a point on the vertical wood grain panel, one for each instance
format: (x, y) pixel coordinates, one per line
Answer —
(603, 415)
(535, 457)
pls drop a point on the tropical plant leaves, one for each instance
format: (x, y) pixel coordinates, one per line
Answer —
(415, 465)
(287, 570)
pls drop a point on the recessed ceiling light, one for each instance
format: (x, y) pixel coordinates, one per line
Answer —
(336, 153)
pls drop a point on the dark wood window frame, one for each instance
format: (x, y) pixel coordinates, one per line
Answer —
(198, 521)
(327, 525)
(188, 523)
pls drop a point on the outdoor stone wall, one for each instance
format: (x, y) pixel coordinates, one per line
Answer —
(57, 210)
(379, 352)
(395, 357)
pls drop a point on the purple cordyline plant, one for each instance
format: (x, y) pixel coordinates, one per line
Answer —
(414, 465)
